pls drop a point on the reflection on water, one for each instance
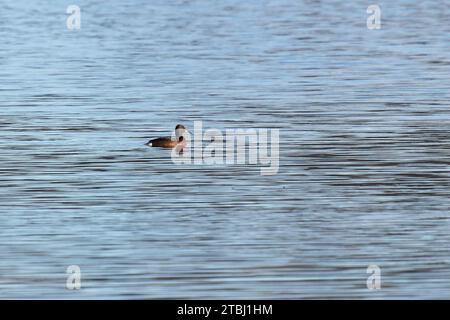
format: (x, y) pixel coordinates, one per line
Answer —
(364, 156)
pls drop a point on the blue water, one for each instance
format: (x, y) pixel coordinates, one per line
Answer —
(364, 161)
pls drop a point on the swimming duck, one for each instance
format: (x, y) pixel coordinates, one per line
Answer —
(168, 142)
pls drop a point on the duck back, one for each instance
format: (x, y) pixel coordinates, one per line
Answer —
(165, 142)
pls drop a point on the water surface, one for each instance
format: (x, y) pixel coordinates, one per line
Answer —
(364, 161)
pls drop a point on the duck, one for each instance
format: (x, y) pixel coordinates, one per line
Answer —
(168, 142)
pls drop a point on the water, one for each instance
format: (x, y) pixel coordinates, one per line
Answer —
(364, 160)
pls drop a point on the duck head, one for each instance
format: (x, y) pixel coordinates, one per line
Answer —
(179, 131)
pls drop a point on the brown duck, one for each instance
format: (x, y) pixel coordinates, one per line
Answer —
(168, 142)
